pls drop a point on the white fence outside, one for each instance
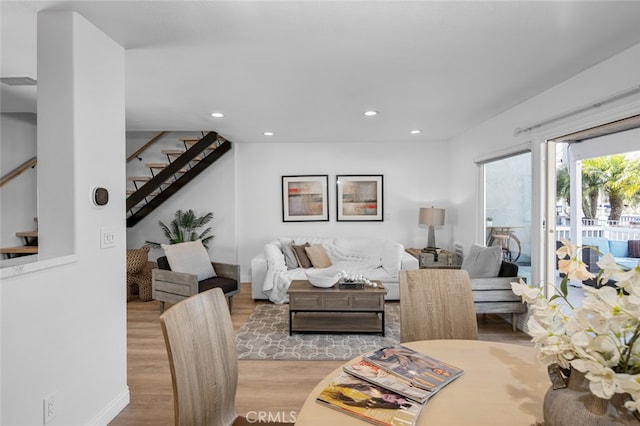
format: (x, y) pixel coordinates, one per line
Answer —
(614, 233)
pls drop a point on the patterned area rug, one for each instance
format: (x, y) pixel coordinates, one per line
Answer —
(265, 335)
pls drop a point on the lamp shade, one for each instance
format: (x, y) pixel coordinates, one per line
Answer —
(431, 216)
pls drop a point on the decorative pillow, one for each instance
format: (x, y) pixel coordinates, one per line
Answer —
(483, 262)
(634, 248)
(301, 255)
(190, 257)
(619, 248)
(137, 259)
(289, 257)
(318, 256)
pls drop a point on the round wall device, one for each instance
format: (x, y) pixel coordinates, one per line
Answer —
(100, 196)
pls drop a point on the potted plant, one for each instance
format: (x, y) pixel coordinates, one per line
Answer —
(185, 227)
(593, 348)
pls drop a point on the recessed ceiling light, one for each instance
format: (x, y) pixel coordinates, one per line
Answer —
(415, 132)
(268, 133)
(217, 114)
(371, 113)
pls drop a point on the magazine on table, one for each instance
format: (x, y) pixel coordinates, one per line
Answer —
(376, 375)
(419, 369)
(369, 402)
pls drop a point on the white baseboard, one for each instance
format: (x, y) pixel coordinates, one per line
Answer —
(111, 410)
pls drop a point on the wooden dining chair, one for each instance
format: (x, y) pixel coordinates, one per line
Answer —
(436, 304)
(200, 342)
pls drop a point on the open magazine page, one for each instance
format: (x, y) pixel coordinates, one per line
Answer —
(419, 369)
(369, 402)
(374, 374)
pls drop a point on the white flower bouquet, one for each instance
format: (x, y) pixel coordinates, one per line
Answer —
(600, 338)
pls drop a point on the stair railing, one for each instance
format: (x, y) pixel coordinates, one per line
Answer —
(140, 150)
(30, 163)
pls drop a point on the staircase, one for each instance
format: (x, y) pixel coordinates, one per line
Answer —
(148, 192)
(165, 179)
(30, 245)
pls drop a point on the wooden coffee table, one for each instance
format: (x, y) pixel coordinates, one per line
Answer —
(336, 310)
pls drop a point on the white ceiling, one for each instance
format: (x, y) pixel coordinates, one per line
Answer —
(307, 70)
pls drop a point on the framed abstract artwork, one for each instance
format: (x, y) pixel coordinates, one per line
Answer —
(359, 197)
(304, 198)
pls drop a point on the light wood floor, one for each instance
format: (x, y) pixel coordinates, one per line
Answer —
(277, 387)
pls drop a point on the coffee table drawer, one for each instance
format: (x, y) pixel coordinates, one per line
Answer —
(336, 301)
(305, 301)
(367, 301)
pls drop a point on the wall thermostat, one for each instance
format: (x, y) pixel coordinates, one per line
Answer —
(99, 196)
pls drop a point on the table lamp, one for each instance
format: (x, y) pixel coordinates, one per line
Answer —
(431, 217)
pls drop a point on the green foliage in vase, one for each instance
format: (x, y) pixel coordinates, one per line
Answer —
(185, 227)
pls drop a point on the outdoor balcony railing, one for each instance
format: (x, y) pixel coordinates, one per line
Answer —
(622, 232)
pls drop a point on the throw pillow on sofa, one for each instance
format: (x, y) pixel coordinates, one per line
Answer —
(318, 256)
(483, 262)
(289, 256)
(301, 255)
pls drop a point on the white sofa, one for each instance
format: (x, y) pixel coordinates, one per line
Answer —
(374, 258)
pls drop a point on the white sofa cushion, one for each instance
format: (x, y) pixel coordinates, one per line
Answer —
(392, 257)
(364, 250)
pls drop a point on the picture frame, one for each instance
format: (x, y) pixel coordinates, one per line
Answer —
(305, 198)
(359, 198)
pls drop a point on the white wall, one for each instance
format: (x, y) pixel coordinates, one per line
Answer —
(18, 199)
(63, 326)
(243, 189)
(415, 175)
(211, 191)
(608, 78)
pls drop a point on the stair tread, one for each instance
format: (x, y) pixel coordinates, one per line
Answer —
(156, 165)
(131, 191)
(19, 250)
(29, 234)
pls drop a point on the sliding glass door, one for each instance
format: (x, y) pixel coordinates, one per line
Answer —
(507, 208)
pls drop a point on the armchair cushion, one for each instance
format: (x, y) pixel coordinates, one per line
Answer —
(227, 285)
(508, 269)
(483, 262)
(191, 258)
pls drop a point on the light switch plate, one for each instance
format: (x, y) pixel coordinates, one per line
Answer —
(107, 237)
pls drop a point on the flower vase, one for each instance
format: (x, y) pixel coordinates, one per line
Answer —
(576, 405)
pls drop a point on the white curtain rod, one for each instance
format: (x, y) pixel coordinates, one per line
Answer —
(620, 95)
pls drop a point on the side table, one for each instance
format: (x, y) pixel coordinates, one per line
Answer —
(428, 260)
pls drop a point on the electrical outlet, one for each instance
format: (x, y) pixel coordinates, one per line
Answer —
(50, 407)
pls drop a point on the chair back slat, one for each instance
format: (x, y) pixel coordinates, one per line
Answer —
(436, 304)
(200, 342)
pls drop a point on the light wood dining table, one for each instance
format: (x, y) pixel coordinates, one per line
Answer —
(502, 384)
